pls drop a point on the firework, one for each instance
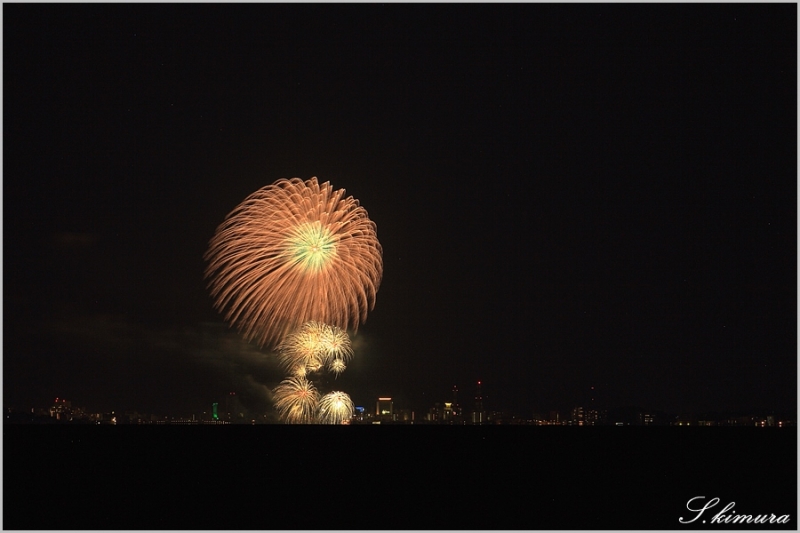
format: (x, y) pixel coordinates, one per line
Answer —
(296, 400)
(337, 366)
(335, 408)
(293, 252)
(335, 344)
(303, 348)
(313, 345)
(299, 371)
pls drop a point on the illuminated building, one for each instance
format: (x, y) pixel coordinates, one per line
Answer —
(433, 413)
(593, 413)
(438, 413)
(405, 416)
(447, 412)
(577, 417)
(384, 410)
(359, 414)
(61, 409)
(456, 408)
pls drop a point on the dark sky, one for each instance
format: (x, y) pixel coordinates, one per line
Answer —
(567, 196)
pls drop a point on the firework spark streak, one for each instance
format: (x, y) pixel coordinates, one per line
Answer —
(335, 408)
(296, 400)
(293, 252)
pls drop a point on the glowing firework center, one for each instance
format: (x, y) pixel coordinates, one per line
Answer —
(311, 247)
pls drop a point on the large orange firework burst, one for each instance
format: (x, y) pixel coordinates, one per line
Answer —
(293, 252)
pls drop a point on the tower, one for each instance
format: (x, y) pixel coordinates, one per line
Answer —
(478, 414)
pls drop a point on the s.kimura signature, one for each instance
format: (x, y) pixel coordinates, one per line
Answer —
(697, 506)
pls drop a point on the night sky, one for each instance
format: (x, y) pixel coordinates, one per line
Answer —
(567, 196)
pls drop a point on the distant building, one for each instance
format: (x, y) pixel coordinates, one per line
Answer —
(61, 409)
(447, 412)
(233, 408)
(434, 414)
(456, 408)
(384, 410)
(403, 416)
(478, 414)
(596, 417)
(360, 414)
(578, 418)
(498, 417)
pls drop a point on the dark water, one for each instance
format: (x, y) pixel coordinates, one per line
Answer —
(391, 477)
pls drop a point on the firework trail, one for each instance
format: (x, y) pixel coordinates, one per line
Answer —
(296, 400)
(293, 252)
(335, 408)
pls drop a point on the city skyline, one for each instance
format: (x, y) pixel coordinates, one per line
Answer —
(566, 196)
(586, 411)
